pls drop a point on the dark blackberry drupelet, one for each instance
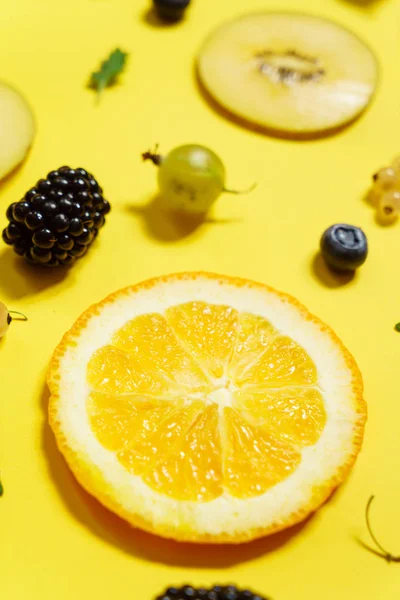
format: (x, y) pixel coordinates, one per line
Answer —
(57, 220)
(218, 592)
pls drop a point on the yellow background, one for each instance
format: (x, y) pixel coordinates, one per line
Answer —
(55, 541)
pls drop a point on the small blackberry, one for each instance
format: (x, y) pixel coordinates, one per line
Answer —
(217, 592)
(57, 220)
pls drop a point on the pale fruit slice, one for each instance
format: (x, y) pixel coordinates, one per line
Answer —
(206, 408)
(17, 128)
(288, 72)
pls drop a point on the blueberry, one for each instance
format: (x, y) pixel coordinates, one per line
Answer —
(344, 247)
(171, 10)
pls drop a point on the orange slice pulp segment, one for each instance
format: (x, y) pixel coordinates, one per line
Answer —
(204, 401)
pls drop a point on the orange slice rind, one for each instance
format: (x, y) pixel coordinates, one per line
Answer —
(206, 408)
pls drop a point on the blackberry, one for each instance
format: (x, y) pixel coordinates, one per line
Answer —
(217, 592)
(57, 220)
(171, 10)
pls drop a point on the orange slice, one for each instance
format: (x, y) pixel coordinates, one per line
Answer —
(205, 408)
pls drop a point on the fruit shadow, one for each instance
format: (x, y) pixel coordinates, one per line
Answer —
(167, 226)
(368, 198)
(366, 4)
(327, 276)
(19, 279)
(100, 522)
(372, 550)
(264, 130)
(150, 17)
(6, 181)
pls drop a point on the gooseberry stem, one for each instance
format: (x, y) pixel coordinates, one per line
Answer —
(21, 316)
(155, 158)
(384, 553)
(239, 192)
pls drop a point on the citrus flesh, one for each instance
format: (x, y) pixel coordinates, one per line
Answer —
(200, 407)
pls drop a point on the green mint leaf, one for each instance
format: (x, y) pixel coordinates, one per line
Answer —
(397, 327)
(1, 489)
(109, 71)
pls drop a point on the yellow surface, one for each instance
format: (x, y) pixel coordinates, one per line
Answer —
(55, 542)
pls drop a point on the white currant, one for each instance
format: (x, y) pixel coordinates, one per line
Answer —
(387, 211)
(385, 178)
